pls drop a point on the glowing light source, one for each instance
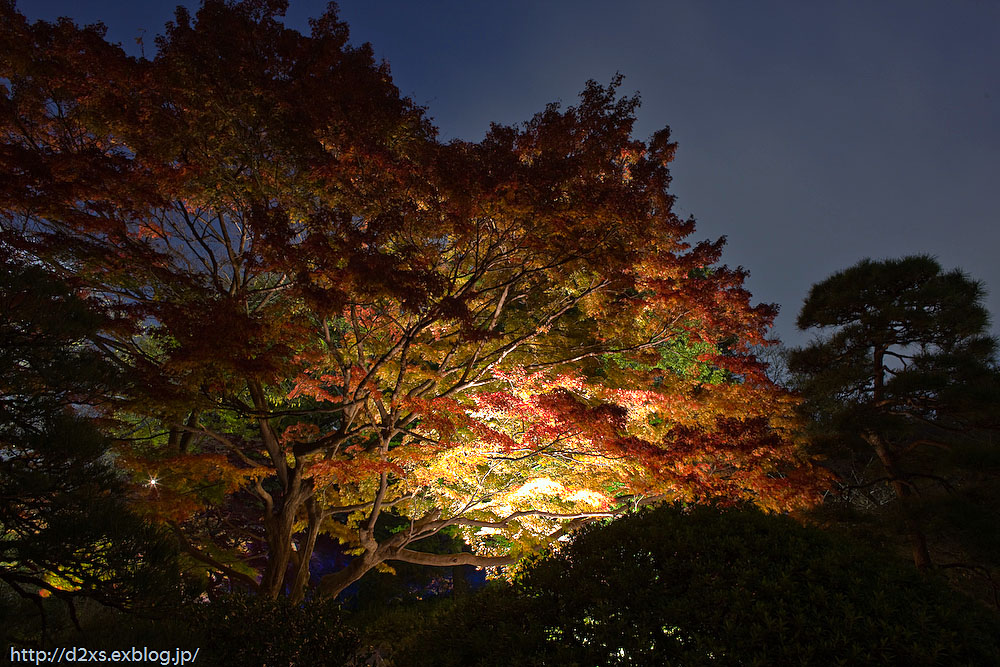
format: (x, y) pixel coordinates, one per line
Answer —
(153, 481)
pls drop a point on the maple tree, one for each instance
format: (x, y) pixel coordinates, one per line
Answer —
(337, 317)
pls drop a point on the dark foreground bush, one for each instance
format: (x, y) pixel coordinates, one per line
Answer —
(240, 630)
(236, 630)
(704, 586)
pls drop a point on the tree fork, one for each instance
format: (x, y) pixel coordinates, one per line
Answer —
(279, 528)
(305, 551)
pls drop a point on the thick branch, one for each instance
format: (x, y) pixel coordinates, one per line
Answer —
(443, 560)
(502, 523)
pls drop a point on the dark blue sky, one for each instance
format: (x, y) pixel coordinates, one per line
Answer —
(812, 134)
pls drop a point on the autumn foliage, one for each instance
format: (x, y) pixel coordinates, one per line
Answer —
(331, 315)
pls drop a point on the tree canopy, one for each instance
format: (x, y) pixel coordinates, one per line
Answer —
(332, 316)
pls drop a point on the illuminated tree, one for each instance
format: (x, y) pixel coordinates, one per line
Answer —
(906, 371)
(337, 317)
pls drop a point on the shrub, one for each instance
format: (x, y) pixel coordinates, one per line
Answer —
(241, 630)
(704, 585)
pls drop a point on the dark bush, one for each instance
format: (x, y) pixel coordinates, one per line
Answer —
(238, 630)
(701, 585)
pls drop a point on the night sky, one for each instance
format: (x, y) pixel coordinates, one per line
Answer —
(811, 134)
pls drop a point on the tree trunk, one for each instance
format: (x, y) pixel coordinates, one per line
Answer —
(184, 444)
(279, 519)
(279, 552)
(305, 552)
(904, 494)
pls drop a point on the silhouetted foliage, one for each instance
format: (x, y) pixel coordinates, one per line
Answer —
(231, 630)
(699, 585)
(237, 630)
(66, 532)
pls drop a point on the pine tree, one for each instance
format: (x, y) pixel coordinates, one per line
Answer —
(66, 530)
(905, 369)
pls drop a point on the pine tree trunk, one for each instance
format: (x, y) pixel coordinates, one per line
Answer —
(904, 492)
(904, 495)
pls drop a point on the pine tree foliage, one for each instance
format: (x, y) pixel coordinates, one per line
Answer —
(66, 531)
